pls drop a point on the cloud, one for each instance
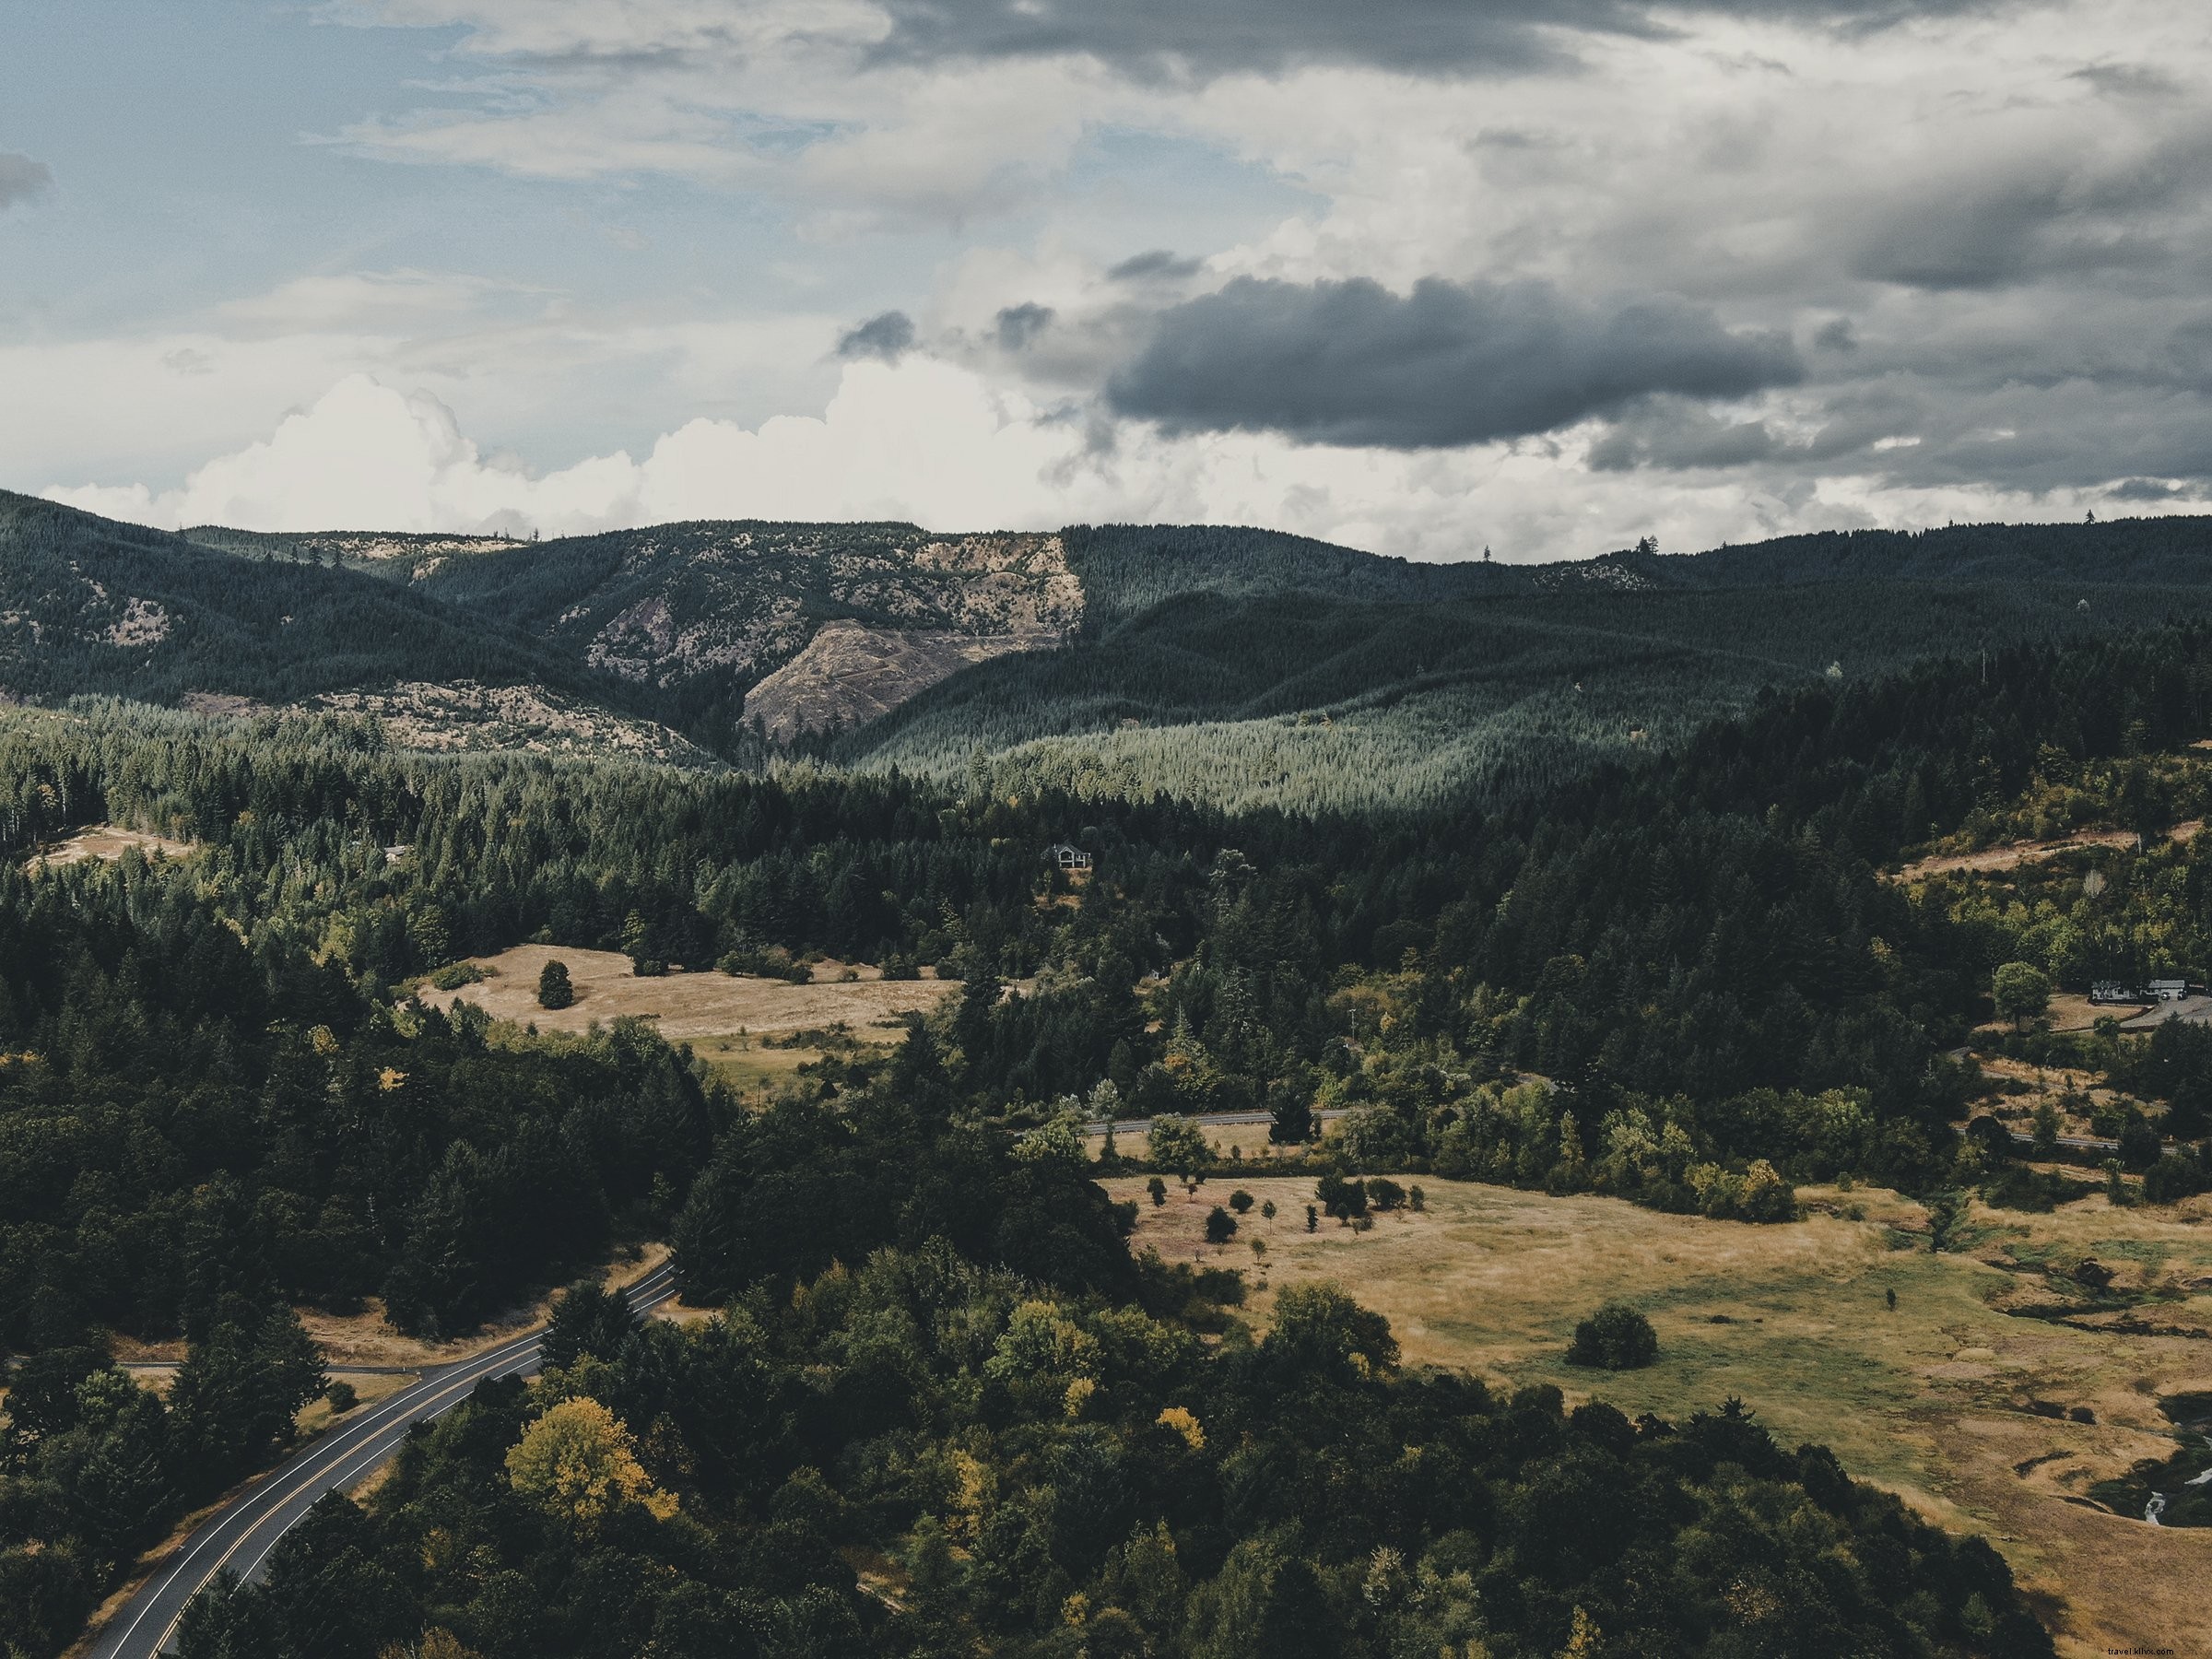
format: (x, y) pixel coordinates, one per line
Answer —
(1156, 265)
(1681, 437)
(920, 440)
(935, 443)
(887, 335)
(1441, 37)
(1448, 364)
(1016, 325)
(22, 180)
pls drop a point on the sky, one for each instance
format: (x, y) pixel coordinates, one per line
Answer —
(1423, 276)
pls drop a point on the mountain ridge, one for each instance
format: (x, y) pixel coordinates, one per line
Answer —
(1235, 665)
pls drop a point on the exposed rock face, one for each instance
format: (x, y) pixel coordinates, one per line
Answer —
(851, 674)
(689, 599)
(143, 622)
(465, 716)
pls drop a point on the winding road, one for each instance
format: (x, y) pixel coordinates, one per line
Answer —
(239, 1537)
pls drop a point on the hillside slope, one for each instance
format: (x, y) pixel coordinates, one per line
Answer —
(90, 605)
(1316, 701)
(1236, 665)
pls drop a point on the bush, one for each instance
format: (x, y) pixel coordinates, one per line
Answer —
(1157, 1189)
(1240, 1201)
(1616, 1337)
(1341, 1199)
(342, 1398)
(455, 975)
(1220, 1226)
(2172, 1179)
(1384, 1194)
(2020, 1188)
(2139, 1146)
(554, 991)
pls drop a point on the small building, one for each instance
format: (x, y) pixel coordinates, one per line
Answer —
(2115, 991)
(1065, 855)
(2169, 990)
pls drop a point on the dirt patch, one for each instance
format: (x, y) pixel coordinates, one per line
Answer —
(688, 1006)
(107, 843)
(222, 702)
(2013, 855)
(1932, 1400)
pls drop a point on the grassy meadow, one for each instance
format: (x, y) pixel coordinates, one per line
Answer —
(1932, 1399)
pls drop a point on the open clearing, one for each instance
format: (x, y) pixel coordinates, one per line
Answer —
(107, 843)
(2016, 853)
(688, 1006)
(1930, 1401)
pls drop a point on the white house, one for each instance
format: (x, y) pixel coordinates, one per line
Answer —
(1068, 856)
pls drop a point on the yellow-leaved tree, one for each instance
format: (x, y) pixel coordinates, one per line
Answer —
(579, 1461)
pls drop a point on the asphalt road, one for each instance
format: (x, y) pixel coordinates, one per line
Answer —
(239, 1537)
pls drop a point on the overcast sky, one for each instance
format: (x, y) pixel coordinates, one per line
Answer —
(1420, 276)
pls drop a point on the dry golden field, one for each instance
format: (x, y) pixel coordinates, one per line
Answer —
(1929, 1401)
(738, 1025)
(106, 843)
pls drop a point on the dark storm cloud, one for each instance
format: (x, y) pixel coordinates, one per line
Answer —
(2054, 215)
(1680, 437)
(1837, 335)
(22, 180)
(2144, 489)
(1018, 324)
(1420, 37)
(1450, 364)
(887, 335)
(1155, 265)
(2006, 233)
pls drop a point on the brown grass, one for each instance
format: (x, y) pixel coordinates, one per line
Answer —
(107, 843)
(2016, 853)
(691, 1006)
(1928, 1401)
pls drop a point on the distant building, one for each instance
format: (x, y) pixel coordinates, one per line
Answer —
(2115, 991)
(1065, 855)
(2169, 990)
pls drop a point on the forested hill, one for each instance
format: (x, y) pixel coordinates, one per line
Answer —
(91, 605)
(1127, 569)
(1236, 667)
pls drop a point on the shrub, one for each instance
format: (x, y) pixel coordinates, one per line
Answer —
(1220, 1226)
(1616, 1337)
(1267, 1209)
(2172, 1179)
(1341, 1199)
(342, 1398)
(1240, 1201)
(1384, 1194)
(455, 975)
(1157, 1189)
(554, 991)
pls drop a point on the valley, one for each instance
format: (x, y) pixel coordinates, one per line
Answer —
(1572, 898)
